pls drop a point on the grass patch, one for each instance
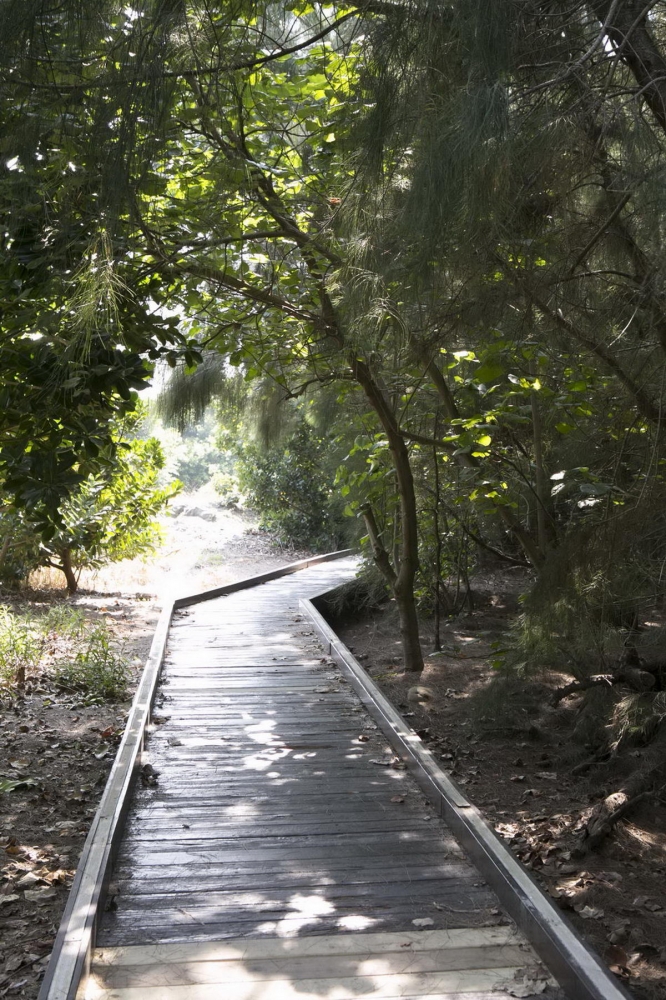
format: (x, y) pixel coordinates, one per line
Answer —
(60, 648)
(21, 646)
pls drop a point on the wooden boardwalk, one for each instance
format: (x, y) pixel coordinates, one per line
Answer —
(285, 851)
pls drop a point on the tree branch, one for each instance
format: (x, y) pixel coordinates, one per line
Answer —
(645, 406)
(627, 27)
(193, 74)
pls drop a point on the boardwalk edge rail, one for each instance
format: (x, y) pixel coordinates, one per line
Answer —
(72, 950)
(579, 971)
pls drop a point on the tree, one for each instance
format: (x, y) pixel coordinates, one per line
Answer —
(77, 341)
(107, 518)
(252, 128)
(448, 214)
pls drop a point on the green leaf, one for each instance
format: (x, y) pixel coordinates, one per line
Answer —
(8, 785)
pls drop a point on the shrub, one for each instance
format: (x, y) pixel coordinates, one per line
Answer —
(292, 490)
(98, 670)
(226, 487)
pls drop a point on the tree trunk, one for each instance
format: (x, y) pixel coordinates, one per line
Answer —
(66, 567)
(403, 591)
(5, 549)
(439, 583)
(628, 28)
(409, 624)
(540, 480)
(405, 573)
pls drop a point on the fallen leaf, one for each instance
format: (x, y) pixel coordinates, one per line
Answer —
(363, 738)
(524, 989)
(28, 880)
(61, 876)
(8, 785)
(619, 931)
(423, 922)
(398, 798)
(11, 898)
(39, 895)
(590, 913)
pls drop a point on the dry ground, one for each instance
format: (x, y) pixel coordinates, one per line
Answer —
(514, 757)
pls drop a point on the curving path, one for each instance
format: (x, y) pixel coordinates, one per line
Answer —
(284, 851)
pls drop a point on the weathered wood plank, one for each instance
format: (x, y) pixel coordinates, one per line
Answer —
(425, 893)
(339, 944)
(122, 928)
(374, 868)
(200, 829)
(371, 987)
(130, 882)
(339, 968)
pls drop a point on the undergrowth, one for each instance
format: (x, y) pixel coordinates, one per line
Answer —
(98, 670)
(365, 593)
(60, 648)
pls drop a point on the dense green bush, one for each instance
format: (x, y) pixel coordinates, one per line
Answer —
(291, 487)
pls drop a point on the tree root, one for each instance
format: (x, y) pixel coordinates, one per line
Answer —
(596, 758)
(613, 808)
(597, 680)
(630, 671)
(639, 786)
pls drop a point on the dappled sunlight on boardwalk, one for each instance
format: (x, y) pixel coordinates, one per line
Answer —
(285, 851)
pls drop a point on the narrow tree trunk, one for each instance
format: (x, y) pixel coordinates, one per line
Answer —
(409, 624)
(628, 27)
(541, 483)
(439, 583)
(403, 588)
(5, 547)
(66, 567)
(403, 591)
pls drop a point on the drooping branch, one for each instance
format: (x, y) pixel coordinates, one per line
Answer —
(627, 26)
(201, 72)
(645, 406)
(482, 543)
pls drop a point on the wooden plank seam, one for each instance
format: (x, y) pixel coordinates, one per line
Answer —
(70, 960)
(579, 971)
